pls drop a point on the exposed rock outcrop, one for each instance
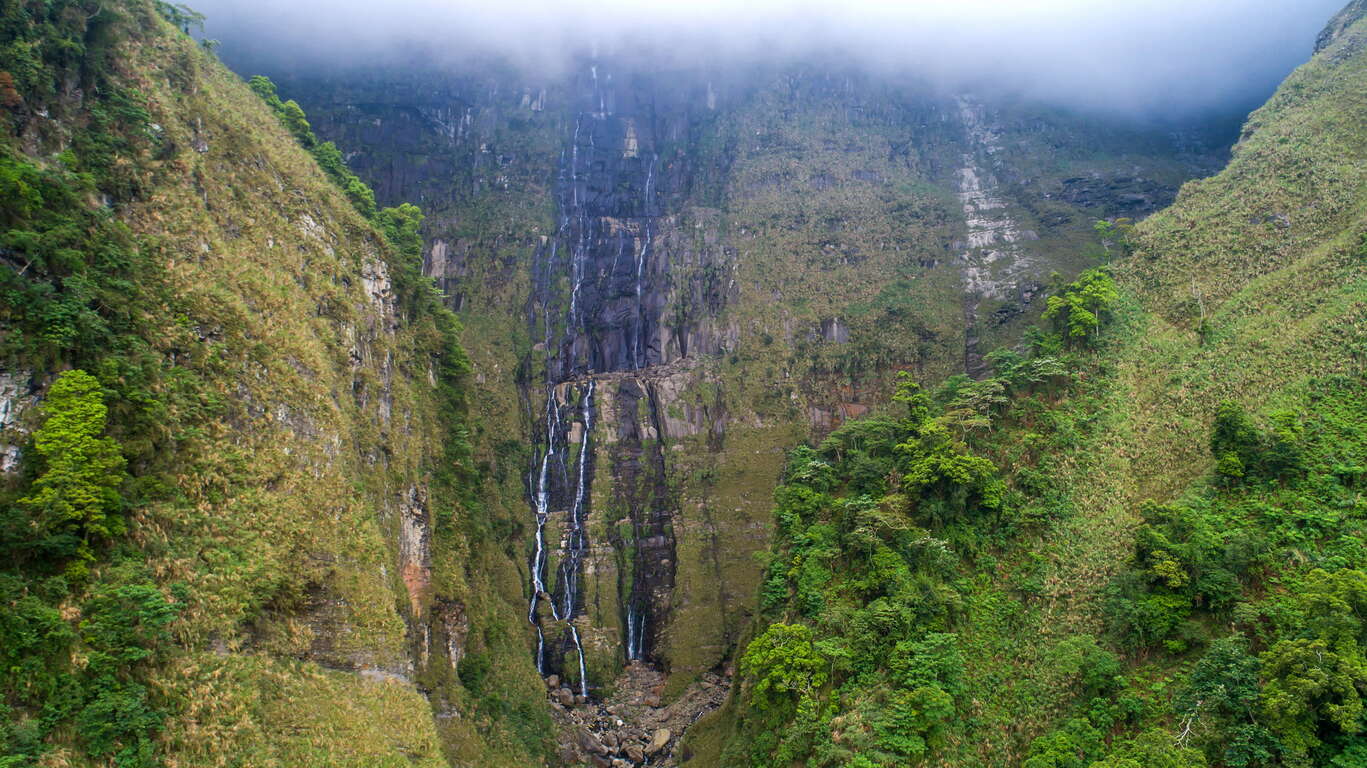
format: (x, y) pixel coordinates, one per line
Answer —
(1340, 24)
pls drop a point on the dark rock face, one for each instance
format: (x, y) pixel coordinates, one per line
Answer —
(627, 167)
(1345, 19)
(1130, 196)
(606, 299)
(641, 485)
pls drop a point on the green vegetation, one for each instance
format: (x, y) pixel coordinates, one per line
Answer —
(863, 664)
(75, 502)
(327, 154)
(123, 633)
(1174, 575)
(251, 484)
(1249, 585)
(1078, 311)
(1263, 570)
(238, 378)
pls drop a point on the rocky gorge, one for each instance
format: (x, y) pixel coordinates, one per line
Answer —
(655, 319)
(424, 405)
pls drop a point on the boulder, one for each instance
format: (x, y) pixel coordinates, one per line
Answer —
(553, 682)
(564, 697)
(659, 741)
(634, 753)
(591, 744)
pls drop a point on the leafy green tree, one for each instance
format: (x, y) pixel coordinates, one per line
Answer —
(1234, 442)
(1220, 704)
(361, 196)
(33, 638)
(1186, 558)
(911, 722)
(1080, 309)
(1152, 749)
(1115, 233)
(784, 664)
(933, 660)
(125, 627)
(1075, 744)
(1096, 670)
(75, 501)
(297, 123)
(1243, 452)
(402, 227)
(1284, 455)
(910, 395)
(947, 479)
(1316, 676)
(1353, 756)
(1311, 685)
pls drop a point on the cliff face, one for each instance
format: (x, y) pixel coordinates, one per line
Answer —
(732, 260)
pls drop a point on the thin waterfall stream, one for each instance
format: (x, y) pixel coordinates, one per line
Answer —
(596, 305)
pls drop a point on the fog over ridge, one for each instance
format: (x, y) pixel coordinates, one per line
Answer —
(1150, 58)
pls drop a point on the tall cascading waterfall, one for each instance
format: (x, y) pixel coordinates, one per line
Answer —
(600, 321)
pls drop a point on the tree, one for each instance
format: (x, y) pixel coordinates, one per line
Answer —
(182, 16)
(1152, 749)
(1234, 443)
(948, 479)
(76, 499)
(1080, 308)
(933, 660)
(124, 630)
(297, 123)
(1316, 677)
(1220, 704)
(785, 666)
(1117, 233)
(909, 722)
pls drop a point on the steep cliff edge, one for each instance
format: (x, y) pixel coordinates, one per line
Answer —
(283, 556)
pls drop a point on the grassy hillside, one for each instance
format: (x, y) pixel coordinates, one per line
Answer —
(1152, 556)
(238, 522)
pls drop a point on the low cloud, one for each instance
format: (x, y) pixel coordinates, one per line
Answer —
(1150, 57)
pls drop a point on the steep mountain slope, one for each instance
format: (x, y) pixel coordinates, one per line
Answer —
(239, 524)
(258, 508)
(1161, 561)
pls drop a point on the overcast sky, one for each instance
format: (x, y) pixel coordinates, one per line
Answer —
(1141, 56)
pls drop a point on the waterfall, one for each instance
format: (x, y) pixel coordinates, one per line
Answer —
(635, 631)
(564, 608)
(592, 215)
(569, 567)
(641, 257)
(542, 500)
